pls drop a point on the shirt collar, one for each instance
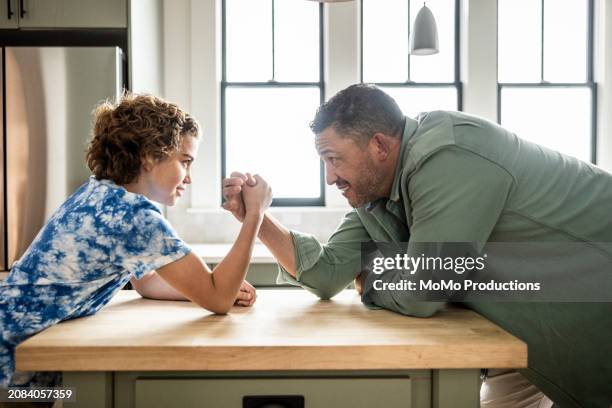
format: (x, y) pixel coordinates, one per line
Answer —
(410, 128)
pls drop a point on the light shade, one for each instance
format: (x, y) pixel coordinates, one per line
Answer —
(424, 38)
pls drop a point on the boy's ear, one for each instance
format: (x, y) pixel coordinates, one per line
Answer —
(147, 163)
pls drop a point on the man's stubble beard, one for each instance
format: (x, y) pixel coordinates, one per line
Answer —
(366, 189)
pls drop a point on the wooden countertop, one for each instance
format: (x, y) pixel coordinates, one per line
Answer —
(287, 329)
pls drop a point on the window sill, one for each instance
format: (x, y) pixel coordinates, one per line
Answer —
(275, 210)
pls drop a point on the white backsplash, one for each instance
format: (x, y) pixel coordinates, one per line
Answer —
(195, 225)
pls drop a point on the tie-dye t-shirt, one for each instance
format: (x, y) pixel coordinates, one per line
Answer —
(88, 250)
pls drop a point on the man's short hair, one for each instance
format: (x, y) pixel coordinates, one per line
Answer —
(360, 111)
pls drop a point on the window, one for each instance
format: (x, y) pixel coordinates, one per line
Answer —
(546, 92)
(272, 84)
(417, 83)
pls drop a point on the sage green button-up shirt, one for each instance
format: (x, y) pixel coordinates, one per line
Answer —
(460, 178)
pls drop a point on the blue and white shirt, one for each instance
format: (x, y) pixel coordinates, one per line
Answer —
(88, 250)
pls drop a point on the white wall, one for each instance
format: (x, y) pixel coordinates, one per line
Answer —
(479, 57)
(192, 72)
(146, 46)
(603, 76)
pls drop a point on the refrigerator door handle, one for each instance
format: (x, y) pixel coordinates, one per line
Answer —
(22, 10)
(9, 9)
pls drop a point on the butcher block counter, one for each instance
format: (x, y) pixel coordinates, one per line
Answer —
(139, 352)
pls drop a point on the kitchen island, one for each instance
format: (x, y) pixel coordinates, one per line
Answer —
(137, 352)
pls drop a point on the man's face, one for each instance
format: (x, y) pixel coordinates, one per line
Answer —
(351, 167)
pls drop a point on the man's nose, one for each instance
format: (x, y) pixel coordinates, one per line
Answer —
(330, 175)
(187, 179)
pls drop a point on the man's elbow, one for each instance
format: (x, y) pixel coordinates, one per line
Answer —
(420, 309)
(324, 293)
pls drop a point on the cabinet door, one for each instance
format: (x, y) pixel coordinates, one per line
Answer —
(73, 14)
(9, 14)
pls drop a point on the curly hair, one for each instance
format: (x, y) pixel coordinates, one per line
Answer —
(134, 129)
(359, 111)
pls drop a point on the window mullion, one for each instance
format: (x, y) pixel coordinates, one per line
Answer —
(590, 41)
(457, 62)
(223, 41)
(273, 42)
(408, 50)
(542, 41)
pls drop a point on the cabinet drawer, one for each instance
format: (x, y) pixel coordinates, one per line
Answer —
(389, 392)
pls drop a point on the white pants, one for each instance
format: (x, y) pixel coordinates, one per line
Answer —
(509, 389)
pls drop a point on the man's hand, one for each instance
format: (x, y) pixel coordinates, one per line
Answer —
(246, 295)
(358, 284)
(232, 194)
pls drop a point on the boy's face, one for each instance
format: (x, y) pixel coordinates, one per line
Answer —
(167, 179)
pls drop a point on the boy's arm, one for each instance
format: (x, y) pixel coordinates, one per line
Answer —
(215, 291)
(272, 233)
(152, 286)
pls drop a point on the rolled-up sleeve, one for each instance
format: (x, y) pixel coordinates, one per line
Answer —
(326, 269)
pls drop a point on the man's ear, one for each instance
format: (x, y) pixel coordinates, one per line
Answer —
(381, 145)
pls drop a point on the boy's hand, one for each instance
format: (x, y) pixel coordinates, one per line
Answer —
(246, 295)
(232, 193)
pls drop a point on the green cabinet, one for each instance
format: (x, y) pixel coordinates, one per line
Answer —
(389, 389)
(9, 13)
(261, 274)
(317, 392)
(226, 389)
(63, 14)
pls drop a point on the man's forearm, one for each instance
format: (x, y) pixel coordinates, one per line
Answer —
(278, 240)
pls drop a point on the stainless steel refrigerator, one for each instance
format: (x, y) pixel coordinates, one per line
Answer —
(48, 95)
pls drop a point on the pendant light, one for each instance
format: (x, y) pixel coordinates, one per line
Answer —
(424, 37)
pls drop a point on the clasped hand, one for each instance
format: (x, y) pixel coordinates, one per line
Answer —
(245, 194)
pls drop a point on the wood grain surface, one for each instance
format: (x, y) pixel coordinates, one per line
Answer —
(286, 329)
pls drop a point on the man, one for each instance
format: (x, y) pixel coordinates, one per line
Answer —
(451, 177)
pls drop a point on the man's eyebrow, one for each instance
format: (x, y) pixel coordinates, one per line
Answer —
(326, 151)
(188, 155)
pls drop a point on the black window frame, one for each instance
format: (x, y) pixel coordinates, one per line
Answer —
(270, 84)
(412, 84)
(589, 84)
